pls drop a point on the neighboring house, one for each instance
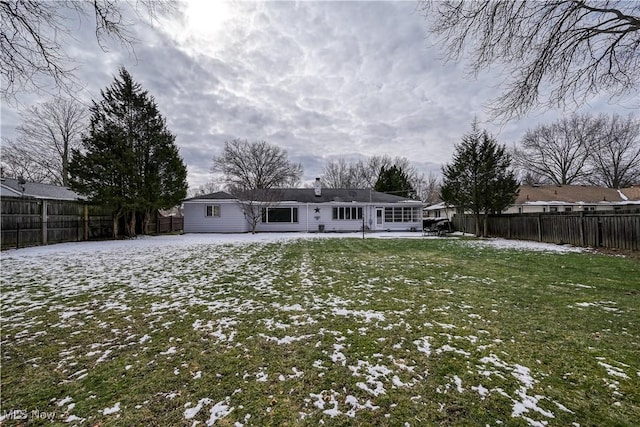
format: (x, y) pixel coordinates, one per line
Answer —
(558, 198)
(439, 210)
(632, 193)
(11, 187)
(303, 209)
(569, 198)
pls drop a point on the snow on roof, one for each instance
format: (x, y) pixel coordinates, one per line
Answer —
(622, 195)
(567, 194)
(632, 193)
(441, 205)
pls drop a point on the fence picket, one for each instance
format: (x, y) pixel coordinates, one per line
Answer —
(609, 229)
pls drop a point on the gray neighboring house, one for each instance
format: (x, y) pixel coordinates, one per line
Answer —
(304, 209)
(11, 187)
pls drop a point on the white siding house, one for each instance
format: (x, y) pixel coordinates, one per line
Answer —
(303, 209)
(569, 198)
(558, 198)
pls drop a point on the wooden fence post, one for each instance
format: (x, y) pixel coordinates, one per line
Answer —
(85, 225)
(539, 227)
(582, 237)
(45, 230)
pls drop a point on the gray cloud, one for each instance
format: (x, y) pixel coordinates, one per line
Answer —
(322, 80)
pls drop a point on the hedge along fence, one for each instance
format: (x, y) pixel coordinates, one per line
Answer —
(31, 222)
(608, 229)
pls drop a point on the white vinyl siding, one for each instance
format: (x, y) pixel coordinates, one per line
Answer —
(230, 220)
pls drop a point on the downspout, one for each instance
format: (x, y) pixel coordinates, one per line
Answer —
(307, 217)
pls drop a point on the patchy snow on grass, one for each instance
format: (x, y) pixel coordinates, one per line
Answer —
(216, 287)
(108, 411)
(521, 245)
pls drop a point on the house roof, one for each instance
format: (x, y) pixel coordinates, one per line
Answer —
(574, 194)
(11, 187)
(220, 195)
(632, 193)
(437, 206)
(307, 195)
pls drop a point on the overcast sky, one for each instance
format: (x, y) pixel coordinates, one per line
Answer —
(322, 80)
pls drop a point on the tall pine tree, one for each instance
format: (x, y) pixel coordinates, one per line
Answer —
(394, 181)
(480, 178)
(128, 160)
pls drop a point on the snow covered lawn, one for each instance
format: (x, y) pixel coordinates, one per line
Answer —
(243, 330)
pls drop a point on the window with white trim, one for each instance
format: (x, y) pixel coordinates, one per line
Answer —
(403, 214)
(347, 213)
(289, 215)
(212, 211)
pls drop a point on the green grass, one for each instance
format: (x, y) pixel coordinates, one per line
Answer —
(424, 332)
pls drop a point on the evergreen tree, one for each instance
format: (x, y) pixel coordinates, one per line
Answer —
(394, 181)
(480, 178)
(128, 160)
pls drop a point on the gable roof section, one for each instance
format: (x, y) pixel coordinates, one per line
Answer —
(220, 195)
(307, 195)
(578, 194)
(11, 187)
(632, 193)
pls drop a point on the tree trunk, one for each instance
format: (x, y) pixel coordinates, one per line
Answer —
(130, 220)
(485, 225)
(478, 218)
(145, 221)
(116, 223)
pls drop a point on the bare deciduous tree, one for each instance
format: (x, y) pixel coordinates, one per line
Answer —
(45, 138)
(582, 149)
(560, 152)
(364, 173)
(251, 171)
(556, 52)
(35, 34)
(616, 156)
(248, 165)
(206, 188)
(429, 190)
(341, 174)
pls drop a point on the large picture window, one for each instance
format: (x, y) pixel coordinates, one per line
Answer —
(347, 213)
(279, 215)
(404, 214)
(212, 211)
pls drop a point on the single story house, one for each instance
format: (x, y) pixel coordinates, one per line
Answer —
(439, 210)
(569, 198)
(302, 209)
(12, 187)
(558, 198)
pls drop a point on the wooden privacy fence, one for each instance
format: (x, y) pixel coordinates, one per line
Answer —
(607, 229)
(166, 224)
(33, 222)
